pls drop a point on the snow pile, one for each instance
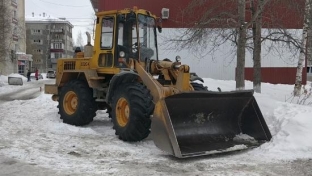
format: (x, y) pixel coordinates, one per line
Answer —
(290, 123)
(18, 76)
(290, 126)
(31, 131)
(292, 130)
(3, 80)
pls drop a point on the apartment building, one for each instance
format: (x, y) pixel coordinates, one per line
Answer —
(48, 38)
(13, 57)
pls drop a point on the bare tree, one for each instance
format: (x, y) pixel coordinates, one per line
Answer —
(79, 41)
(256, 32)
(301, 60)
(232, 26)
(241, 45)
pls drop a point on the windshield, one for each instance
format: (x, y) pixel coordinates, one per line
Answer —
(147, 37)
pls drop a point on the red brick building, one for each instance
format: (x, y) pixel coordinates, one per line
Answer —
(278, 14)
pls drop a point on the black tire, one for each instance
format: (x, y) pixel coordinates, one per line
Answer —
(82, 106)
(199, 87)
(131, 109)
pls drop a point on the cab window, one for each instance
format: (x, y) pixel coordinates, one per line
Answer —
(107, 32)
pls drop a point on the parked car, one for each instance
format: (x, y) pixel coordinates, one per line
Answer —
(32, 76)
(51, 74)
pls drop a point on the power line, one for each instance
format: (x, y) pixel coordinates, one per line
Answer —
(37, 5)
(62, 4)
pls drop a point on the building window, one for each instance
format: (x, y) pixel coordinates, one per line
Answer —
(15, 31)
(21, 69)
(38, 51)
(57, 46)
(14, 14)
(36, 31)
(58, 55)
(37, 41)
(15, 34)
(37, 61)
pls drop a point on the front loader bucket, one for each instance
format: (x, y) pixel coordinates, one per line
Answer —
(202, 123)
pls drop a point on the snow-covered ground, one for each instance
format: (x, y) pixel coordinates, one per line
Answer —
(31, 132)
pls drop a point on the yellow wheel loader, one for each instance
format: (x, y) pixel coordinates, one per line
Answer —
(144, 94)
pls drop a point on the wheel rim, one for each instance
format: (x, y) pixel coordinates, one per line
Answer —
(70, 102)
(122, 112)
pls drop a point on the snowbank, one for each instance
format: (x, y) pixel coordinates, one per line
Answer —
(3, 80)
(31, 131)
(18, 76)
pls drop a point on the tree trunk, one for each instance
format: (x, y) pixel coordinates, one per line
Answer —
(301, 61)
(256, 32)
(241, 45)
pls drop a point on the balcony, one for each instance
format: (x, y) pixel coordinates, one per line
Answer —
(57, 31)
(15, 37)
(14, 3)
(57, 50)
(14, 20)
(57, 41)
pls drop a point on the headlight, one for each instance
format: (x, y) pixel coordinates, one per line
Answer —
(178, 58)
(122, 54)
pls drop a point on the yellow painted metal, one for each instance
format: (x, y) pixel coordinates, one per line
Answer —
(183, 78)
(68, 69)
(124, 11)
(51, 89)
(97, 41)
(70, 102)
(122, 112)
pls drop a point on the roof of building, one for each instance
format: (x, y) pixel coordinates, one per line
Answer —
(95, 5)
(45, 18)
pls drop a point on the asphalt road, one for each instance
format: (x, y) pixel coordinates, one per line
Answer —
(12, 167)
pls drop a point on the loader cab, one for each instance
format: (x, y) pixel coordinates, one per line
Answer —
(125, 35)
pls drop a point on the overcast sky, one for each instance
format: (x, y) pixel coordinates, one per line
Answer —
(78, 12)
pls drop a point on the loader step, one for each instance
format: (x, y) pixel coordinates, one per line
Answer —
(100, 88)
(100, 100)
(97, 78)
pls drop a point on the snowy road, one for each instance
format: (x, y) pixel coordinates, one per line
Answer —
(34, 141)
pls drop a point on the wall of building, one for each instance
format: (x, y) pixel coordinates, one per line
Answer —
(55, 38)
(221, 64)
(15, 38)
(38, 44)
(279, 13)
